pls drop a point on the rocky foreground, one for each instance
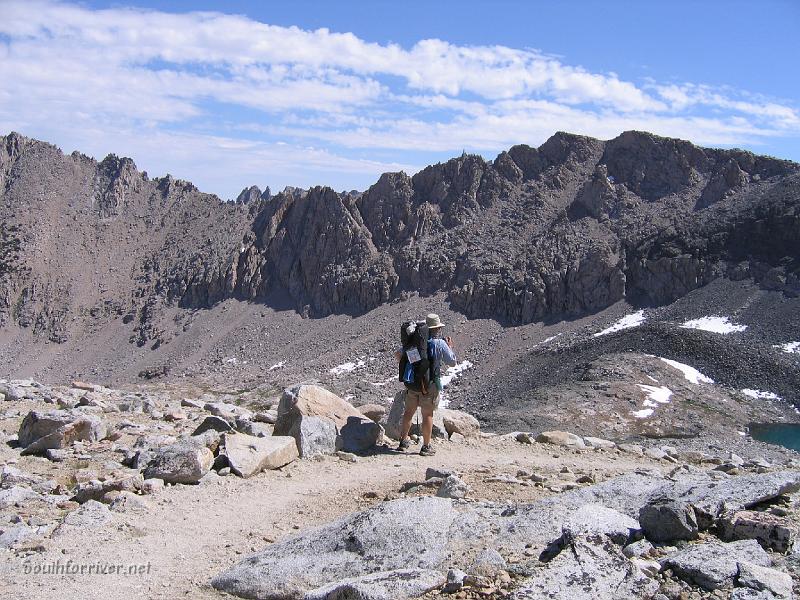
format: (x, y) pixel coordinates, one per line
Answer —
(311, 488)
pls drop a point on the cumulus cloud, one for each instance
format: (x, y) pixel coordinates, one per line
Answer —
(250, 97)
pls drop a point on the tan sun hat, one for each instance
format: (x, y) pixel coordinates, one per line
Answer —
(433, 321)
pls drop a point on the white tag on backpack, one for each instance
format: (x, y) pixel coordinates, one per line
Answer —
(413, 355)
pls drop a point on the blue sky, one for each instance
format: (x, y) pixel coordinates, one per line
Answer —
(334, 93)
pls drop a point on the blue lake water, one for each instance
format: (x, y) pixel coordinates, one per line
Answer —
(783, 434)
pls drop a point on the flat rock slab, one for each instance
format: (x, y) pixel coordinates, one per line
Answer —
(771, 531)
(715, 565)
(561, 438)
(412, 533)
(591, 568)
(765, 579)
(711, 499)
(596, 519)
(249, 455)
(17, 494)
(90, 515)
(385, 585)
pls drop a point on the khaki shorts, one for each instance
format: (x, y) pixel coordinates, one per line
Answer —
(420, 400)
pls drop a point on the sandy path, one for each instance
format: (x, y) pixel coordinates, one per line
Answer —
(191, 533)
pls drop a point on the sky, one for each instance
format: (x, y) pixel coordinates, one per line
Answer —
(275, 93)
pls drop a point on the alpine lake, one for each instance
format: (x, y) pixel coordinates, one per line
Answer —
(783, 434)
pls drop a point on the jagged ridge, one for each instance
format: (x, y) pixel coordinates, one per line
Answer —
(564, 229)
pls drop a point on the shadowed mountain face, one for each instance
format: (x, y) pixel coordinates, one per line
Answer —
(563, 230)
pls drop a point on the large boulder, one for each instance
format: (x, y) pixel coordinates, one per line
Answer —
(456, 421)
(410, 533)
(373, 411)
(185, 461)
(715, 565)
(668, 520)
(248, 455)
(55, 429)
(315, 436)
(303, 411)
(393, 420)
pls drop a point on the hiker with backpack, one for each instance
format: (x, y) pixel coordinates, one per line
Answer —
(421, 356)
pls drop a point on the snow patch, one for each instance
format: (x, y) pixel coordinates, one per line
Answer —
(789, 347)
(660, 394)
(626, 322)
(550, 339)
(655, 396)
(642, 414)
(453, 372)
(759, 395)
(692, 375)
(278, 365)
(348, 367)
(714, 324)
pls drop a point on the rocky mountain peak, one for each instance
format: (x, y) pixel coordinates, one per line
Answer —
(564, 229)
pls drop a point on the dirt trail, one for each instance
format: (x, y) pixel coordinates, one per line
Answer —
(190, 533)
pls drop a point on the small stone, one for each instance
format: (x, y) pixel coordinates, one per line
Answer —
(650, 568)
(453, 487)
(638, 549)
(152, 485)
(347, 456)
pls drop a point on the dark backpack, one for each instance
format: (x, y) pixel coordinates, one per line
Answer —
(416, 359)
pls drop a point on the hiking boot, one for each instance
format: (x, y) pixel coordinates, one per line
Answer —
(404, 445)
(426, 450)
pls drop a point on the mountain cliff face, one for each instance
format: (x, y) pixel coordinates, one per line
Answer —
(565, 229)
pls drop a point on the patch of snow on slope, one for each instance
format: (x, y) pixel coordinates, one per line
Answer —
(347, 367)
(550, 339)
(626, 322)
(642, 414)
(789, 347)
(691, 374)
(758, 394)
(453, 372)
(714, 324)
(655, 396)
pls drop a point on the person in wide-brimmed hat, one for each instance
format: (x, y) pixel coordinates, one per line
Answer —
(441, 351)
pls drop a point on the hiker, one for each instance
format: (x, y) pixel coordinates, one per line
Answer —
(427, 398)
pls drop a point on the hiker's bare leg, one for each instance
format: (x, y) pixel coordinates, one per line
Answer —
(408, 415)
(427, 424)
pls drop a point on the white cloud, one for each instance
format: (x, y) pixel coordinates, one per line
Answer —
(129, 76)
